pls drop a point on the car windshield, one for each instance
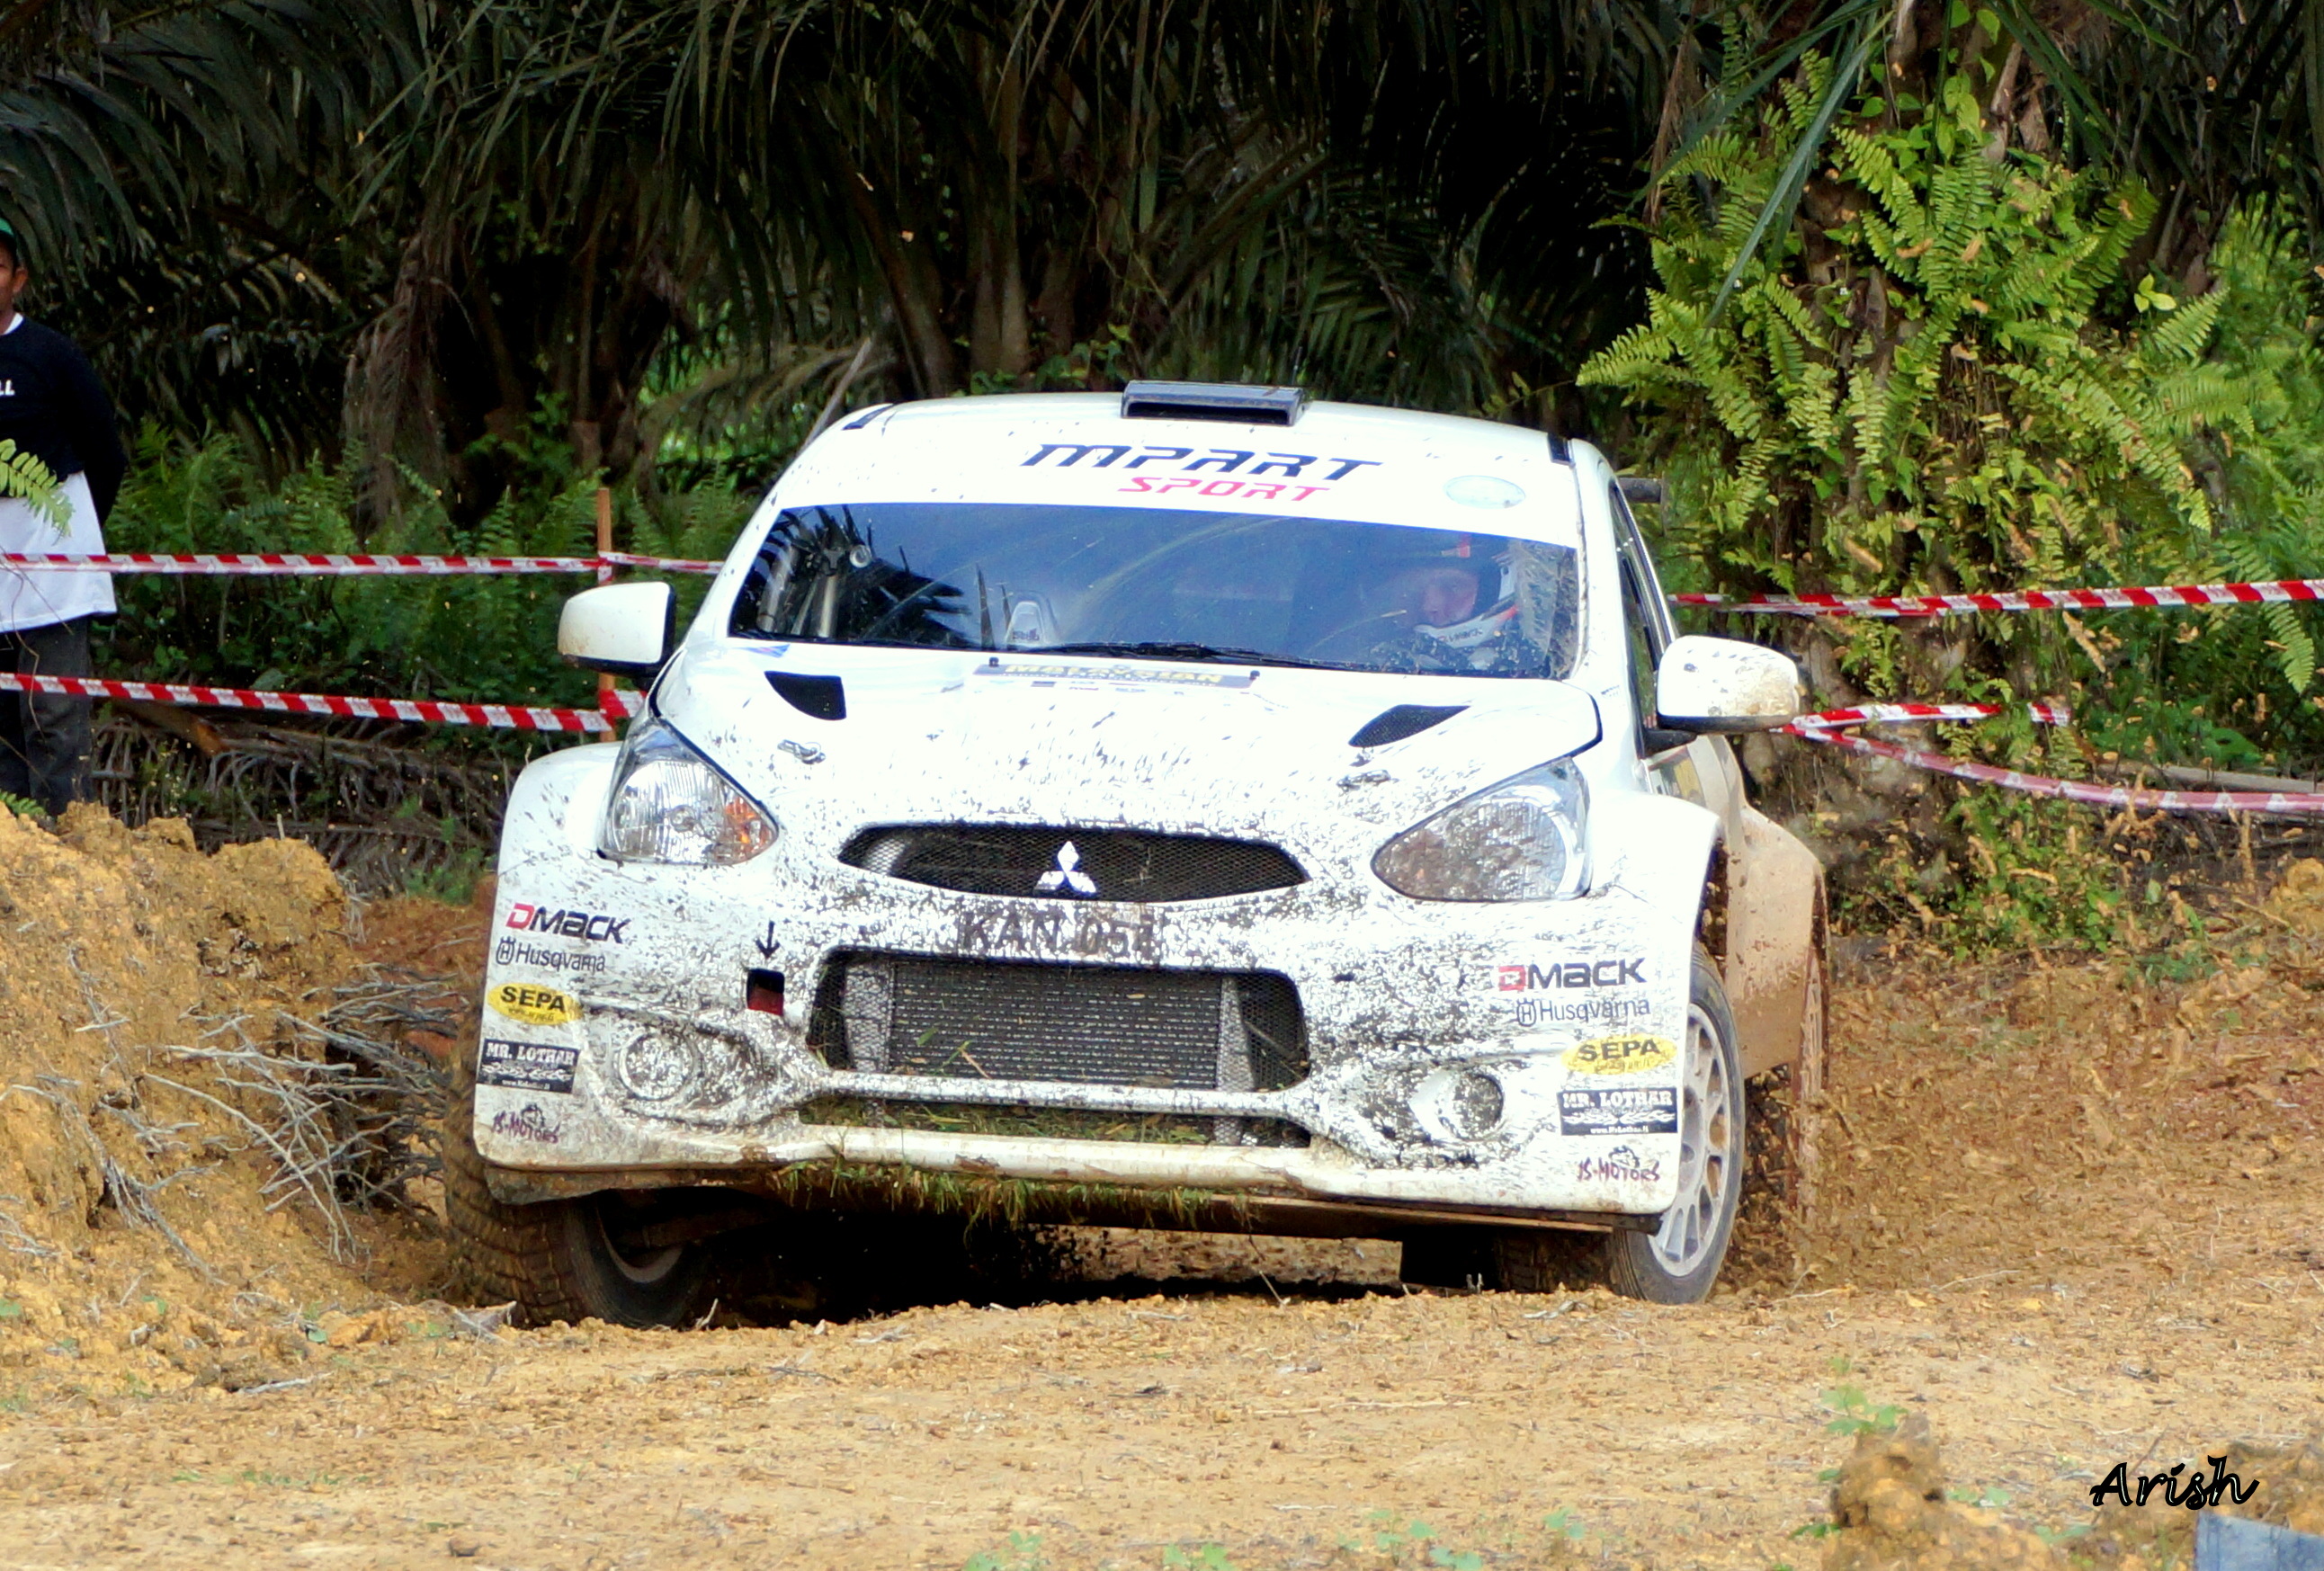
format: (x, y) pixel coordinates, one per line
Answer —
(1254, 588)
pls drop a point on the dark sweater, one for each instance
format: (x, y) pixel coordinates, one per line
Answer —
(52, 406)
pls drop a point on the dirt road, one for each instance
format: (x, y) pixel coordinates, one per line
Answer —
(1102, 1432)
(2074, 1216)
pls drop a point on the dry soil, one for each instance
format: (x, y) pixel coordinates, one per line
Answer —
(2071, 1215)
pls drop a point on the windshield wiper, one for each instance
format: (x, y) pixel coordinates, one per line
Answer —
(1170, 651)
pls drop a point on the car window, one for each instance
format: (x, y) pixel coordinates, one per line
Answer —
(1645, 630)
(1638, 636)
(1631, 543)
(1166, 584)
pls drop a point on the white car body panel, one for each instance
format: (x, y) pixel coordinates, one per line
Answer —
(1398, 994)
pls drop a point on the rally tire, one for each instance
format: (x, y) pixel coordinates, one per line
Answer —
(1544, 1260)
(552, 1259)
(1678, 1263)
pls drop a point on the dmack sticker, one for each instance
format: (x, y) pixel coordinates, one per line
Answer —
(527, 1066)
(593, 926)
(1618, 1110)
(1613, 973)
(1620, 1055)
(533, 1004)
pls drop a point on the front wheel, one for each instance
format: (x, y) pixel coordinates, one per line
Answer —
(1678, 1262)
(598, 1256)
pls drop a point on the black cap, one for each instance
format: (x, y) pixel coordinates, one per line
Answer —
(15, 241)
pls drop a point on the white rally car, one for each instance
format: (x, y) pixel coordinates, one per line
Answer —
(1195, 806)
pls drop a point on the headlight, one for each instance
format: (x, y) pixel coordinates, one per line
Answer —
(1525, 839)
(669, 806)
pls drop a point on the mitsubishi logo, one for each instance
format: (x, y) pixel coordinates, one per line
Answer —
(1068, 873)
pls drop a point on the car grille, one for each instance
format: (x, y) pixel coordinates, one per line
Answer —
(1070, 864)
(1102, 1025)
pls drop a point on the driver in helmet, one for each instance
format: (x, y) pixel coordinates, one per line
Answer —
(1450, 606)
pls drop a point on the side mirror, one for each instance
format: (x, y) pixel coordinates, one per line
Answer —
(1639, 490)
(1725, 685)
(626, 629)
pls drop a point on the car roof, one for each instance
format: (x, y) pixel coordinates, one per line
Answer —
(1345, 461)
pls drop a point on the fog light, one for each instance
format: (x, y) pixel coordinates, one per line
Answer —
(654, 1069)
(1463, 1103)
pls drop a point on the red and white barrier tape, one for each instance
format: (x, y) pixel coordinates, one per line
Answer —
(272, 563)
(1880, 713)
(2164, 596)
(2285, 802)
(1822, 728)
(619, 703)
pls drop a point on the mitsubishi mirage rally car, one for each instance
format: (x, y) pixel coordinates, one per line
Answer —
(1191, 807)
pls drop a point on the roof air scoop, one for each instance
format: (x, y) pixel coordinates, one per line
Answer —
(1213, 401)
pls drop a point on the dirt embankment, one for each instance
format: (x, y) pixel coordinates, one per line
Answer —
(2071, 1217)
(159, 1047)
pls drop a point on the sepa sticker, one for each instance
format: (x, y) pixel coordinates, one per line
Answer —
(1618, 1110)
(1620, 1055)
(527, 1066)
(532, 1004)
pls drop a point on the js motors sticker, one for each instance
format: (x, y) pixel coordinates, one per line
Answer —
(1620, 1055)
(529, 1124)
(593, 926)
(532, 1004)
(1618, 1110)
(527, 1066)
(1622, 1165)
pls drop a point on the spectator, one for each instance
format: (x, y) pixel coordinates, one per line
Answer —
(52, 406)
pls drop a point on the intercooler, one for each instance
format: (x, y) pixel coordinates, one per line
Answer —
(1100, 1026)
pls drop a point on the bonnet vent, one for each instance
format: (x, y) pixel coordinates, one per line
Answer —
(823, 697)
(1405, 719)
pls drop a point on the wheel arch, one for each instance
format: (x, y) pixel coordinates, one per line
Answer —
(1763, 903)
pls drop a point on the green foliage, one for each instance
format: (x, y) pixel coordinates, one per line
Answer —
(1206, 1557)
(474, 638)
(1023, 1553)
(1855, 1413)
(24, 476)
(23, 807)
(1923, 391)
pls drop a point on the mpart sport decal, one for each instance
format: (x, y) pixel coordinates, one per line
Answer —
(1618, 1110)
(1620, 1055)
(1249, 490)
(593, 926)
(527, 1066)
(1291, 467)
(532, 1004)
(1607, 973)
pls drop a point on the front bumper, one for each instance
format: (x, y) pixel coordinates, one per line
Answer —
(619, 1039)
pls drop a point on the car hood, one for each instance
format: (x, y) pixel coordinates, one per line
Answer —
(945, 736)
